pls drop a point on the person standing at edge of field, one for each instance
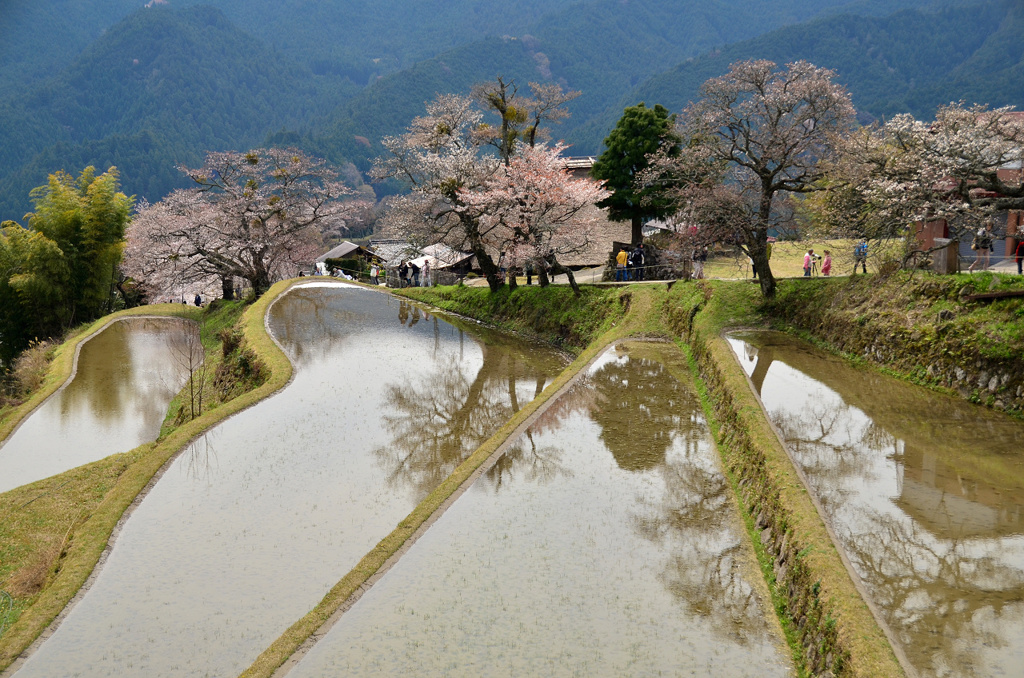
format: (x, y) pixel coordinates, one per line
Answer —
(637, 261)
(620, 266)
(860, 256)
(808, 259)
(826, 264)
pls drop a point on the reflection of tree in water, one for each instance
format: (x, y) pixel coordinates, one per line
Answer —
(936, 593)
(822, 439)
(311, 323)
(526, 461)
(693, 522)
(115, 370)
(436, 421)
(638, 410)
(200, 459)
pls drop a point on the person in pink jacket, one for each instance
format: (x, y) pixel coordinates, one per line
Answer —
(826, 264)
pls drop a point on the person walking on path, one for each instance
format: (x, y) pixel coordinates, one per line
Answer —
(620, 266)
(403, 273)
(414, 270)
(426, 273)
(826, 264)
(700, 255)
(860, 256)
(1019, 255)
(983, 243)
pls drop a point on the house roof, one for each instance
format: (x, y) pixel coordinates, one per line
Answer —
(342, 251)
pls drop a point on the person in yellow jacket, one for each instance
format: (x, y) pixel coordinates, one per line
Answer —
(620, 266)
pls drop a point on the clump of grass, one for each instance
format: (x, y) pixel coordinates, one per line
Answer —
(26, 375)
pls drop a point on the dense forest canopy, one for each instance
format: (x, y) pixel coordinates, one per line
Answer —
(148, 88)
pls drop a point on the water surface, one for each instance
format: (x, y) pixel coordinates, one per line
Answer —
(127, 375)
(247, 530)
(605, 542)
(924, 491)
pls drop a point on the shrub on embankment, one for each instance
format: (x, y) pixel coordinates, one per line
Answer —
(552, 314)
(920, 326)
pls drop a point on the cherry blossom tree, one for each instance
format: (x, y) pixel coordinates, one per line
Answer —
(763, 133)
(538, 209)
(254, 215)
(460, 194)
(953, 168)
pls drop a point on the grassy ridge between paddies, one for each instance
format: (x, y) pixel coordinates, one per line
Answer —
(823, 607)
(610, 315)
(72, 516)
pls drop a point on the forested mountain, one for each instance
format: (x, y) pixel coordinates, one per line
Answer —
(600, 48)
(167, 83)
(160, 88)
(910, 61)
(357, 39)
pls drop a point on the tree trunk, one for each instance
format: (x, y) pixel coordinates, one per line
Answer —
(227, 287)
(557, 268)
(638, 230)
(759, 244)
(488, 267)
(542, 275)
(513, 271)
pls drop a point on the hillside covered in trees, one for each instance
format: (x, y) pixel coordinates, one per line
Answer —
(149, 88)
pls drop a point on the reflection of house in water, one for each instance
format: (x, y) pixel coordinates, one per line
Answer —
(950, 505)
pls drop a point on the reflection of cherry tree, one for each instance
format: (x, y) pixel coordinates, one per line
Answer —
(638, 410)
(932, 589)
(444, 415)
(525, 460)
(693, 524)
(829, 451)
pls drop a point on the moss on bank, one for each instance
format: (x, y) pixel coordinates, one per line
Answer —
(53, 532)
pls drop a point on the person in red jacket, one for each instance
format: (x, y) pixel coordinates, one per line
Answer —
(1019, 255)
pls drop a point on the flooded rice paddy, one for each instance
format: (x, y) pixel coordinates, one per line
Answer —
(250, 527)
(925, 493)
(127, 375)
(604, 542)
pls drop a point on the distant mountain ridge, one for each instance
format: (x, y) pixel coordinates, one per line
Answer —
(911, 61)
(168, 83)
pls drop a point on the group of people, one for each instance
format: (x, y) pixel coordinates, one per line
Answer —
(630, 265)
(816, 262)
(409, 273)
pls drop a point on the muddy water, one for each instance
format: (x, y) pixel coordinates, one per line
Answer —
(925, 493)
(247, 530)
(127, 375)
(605, 542)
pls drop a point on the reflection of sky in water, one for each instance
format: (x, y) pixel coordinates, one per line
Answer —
(127, 375)
(927, 508)
(248, 529)
(561, 561)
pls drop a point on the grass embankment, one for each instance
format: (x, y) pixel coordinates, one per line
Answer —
(53, 532)
(551, 314)
(920, 327)
(824, 613)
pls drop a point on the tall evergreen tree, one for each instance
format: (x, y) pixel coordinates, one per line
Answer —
(640, 132)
